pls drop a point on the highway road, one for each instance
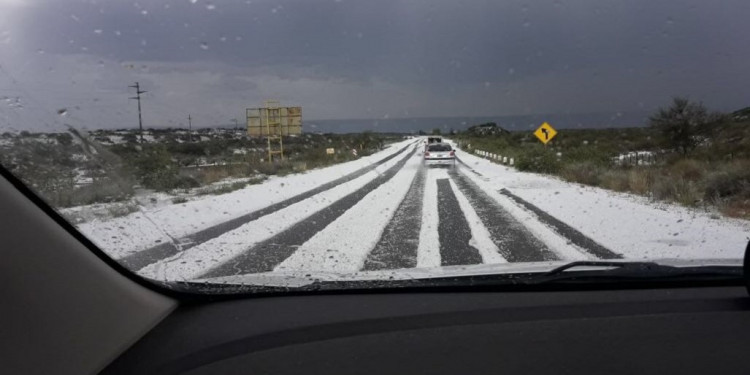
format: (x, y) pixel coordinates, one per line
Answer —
(394, 213)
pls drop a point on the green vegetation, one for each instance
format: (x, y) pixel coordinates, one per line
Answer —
(72, 169)
(683, 125)
(53, 166)
(687, 155)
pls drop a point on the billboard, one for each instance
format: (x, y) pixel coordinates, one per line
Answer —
(262, 122)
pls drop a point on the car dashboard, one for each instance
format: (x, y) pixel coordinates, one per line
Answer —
(645, 331)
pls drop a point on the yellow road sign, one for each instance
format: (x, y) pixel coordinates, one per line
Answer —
(545, 133)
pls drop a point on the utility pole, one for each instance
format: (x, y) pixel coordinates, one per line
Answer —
(137, 96)
(236, 125)
(190, 129)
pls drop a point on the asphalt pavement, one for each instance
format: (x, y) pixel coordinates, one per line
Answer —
(398, 244)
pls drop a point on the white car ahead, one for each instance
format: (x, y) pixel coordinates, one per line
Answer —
(439, 154)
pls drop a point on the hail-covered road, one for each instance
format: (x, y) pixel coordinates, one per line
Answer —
(389, 211)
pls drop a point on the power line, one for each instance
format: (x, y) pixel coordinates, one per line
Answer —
(138, 93)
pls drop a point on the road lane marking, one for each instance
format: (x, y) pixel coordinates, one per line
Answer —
(428, 251)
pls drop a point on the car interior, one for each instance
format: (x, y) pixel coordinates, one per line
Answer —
(69, 309)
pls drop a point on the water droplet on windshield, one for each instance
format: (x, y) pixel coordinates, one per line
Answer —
(210, 6)
(204, 46)
(62, 111)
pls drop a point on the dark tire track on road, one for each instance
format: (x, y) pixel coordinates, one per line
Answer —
(266, 255)
(468, 166)
(571, 234)
(154, 254)
(515, 242)
(453, 229)
(397, 247)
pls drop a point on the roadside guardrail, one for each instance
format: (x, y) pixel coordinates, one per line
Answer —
(495, 157)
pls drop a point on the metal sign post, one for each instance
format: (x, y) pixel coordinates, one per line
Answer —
(273, 129)
(274, 122)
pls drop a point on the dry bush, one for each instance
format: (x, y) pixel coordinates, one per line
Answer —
(122, 209)
(689, 169)
(729, 180)
(640, 180)
(615, 179)
(739, 208)
(582, 172)
(209, 175)
(675, 189)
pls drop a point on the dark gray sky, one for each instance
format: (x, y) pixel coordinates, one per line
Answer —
(364, 59)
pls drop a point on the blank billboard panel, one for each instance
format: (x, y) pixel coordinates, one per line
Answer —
(276, 121)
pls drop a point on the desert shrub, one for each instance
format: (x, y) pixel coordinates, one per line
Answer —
(640, 180)
(615, 179)
(736, 207)
(223, 189)
(593, 155)
(537, 160)
(581, 172)
(185, 182)
(733, 181)
(675, 189)
(155, 169)
(122, 209)
(101, 191)
(209, 175)
(689, 169)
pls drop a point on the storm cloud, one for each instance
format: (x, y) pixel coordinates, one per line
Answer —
(365, 59)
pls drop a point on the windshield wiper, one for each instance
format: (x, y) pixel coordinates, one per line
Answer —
(633, 271)
(604, 273)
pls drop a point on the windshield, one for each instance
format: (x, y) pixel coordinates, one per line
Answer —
(282, 142)
(439, 147)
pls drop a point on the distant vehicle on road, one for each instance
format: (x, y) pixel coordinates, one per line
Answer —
(439, 154)
(432, 140)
